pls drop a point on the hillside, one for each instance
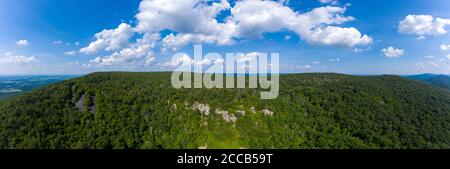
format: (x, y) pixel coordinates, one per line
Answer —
(142, 110)
(442, 81)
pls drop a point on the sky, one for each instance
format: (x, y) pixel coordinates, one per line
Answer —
(343, 36)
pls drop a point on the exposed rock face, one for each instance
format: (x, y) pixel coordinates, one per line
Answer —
(80, 103)
(241, 112)
(203, 147)
(252, 109)
(226, 116)
(233, 118)
(267, 112)
(174, 107)
(203, 108)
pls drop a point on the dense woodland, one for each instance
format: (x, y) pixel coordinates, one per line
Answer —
(142, 110)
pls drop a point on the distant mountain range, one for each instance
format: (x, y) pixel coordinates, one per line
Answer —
(12, 85)
(440, 80)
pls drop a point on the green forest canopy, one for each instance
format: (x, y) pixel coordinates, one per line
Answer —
(142, 110)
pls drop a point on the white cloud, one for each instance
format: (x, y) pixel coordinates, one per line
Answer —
(328, 1)
(58, 42)
(423, 25)
(70, 53)
(255, 18)
(287, 37)
(338, 36)
(22, 43)
(10, 59)
(109, 40)
(429, 56)
(316, 62)
(334, 60)
(137, 54)
(445, 47)
(421, 38)
(248, 57)
(358, 50)
(175, 42)
(448, 57)
(195, 21)
(392, 52)
(304, 67)
(182, 59)
(258, 17)
(77, 43)
(186, 59)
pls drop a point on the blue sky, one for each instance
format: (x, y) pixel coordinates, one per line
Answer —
(48, 36)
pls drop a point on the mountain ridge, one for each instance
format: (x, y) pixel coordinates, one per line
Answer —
(440, 80)
(142, 110)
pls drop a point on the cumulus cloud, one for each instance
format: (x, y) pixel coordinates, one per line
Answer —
(445, 47)
(421, 38)
(10, 59)
(193, 20)
(423, 25)
(196, 21)
(392, 52)
(22, 43)
(182, 59)
(255, 18)
(70, 53)
(175, 42)
(248, 57)
(137, 54)
(109, 40)
(187, 60)
(328, 1)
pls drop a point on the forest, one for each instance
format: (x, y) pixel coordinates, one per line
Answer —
(123, 110)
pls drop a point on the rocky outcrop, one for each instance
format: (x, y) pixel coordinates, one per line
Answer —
(241, 112)
(267, 112)
(252, 109)
(80, 104)
(203, 108)
(229, 118)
